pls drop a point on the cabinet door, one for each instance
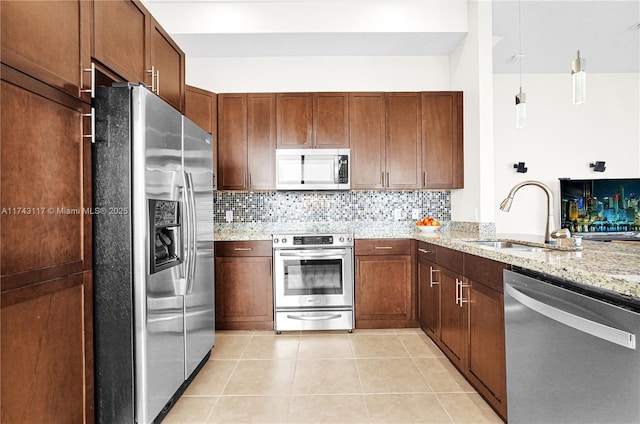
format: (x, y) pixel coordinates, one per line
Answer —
(452, 325)
(47, 368)
(383, 288)
(168, 62)
(442, 144)
(367, 140)
(49, 40)
(244, 293)
(201, 107)
(429, 301)
(402, 147)
(232, 142)
(487, 361)
(46, 182)
(261, 133)
(294, 120)
(331, 120)
(121, 41)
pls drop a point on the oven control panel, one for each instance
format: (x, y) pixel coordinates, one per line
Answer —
(312, 240)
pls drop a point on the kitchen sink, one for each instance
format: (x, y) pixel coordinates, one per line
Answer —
(508, 245)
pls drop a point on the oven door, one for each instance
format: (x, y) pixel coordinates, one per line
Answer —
(313, 278)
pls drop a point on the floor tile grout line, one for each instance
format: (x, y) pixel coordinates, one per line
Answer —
(353, 352)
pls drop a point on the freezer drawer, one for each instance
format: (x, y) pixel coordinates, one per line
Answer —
(571, 358)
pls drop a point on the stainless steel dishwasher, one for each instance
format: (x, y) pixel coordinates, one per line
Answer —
(571, 357)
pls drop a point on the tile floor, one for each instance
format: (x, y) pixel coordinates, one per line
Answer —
(369, 376)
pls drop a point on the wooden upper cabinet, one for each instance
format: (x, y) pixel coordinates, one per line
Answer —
(121, 41)
(201, 106)
(403, 141)
(261, 137)
(312, 120)
(367, 140)
(294, 120)
(167, 62)
(129, 43)
(232, 142)
(442, 140)
(331, 120)
(49, 40)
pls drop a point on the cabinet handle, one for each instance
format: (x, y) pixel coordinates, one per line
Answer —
(249, 186)
(431, 281)
(243, 249)
(92, 136)
(388, 179)
(424, 250)
(461, 300)
(382, 247)
(383, 181)
(457, 291)
(424, 179)
(152, 71)
(244, 180)
(158, 82)
(92, 88)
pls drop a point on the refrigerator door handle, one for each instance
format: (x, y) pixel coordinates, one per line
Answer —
(186, 230)
(610, 334)
(191, 229)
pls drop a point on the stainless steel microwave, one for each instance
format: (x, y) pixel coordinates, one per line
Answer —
(313, 169)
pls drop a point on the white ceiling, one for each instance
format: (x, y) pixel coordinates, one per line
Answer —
(550, 32)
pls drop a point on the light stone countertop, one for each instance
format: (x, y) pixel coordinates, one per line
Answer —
(607, 267)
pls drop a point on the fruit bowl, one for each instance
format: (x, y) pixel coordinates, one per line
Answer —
(428, 228)
(428, 225)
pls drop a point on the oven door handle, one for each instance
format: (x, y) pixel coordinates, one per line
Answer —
(325, 254)
(314, 317)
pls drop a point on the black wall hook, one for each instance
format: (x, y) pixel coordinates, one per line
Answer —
(520, 167)
(598, 166)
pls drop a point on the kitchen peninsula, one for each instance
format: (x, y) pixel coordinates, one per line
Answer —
(612, 267)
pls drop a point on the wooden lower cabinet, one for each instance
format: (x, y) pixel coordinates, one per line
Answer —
(461, 308)
(384, 284)
(452, 318)
(486, 364)
(244, 287)
(428, 290)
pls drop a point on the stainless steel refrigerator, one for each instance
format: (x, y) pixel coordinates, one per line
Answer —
(153, 253)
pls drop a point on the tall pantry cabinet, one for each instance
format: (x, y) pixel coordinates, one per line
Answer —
(52, 53)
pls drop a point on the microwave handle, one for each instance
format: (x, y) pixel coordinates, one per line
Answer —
(336, 169)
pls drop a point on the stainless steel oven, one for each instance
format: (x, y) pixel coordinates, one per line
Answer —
(313, 281)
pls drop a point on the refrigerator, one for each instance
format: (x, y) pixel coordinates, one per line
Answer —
(153, 275)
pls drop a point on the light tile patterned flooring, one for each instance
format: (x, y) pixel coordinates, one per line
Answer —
(369, 376)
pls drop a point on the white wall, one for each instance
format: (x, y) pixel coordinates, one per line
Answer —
(471, 72)
(561, 139)
(336, 73)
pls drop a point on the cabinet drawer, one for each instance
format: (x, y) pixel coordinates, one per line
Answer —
(451, 259)
(426, 251)
(485, 271)
(383, 247)
(243, 248)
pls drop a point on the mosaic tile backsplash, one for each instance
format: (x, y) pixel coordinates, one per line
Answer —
(339, 206)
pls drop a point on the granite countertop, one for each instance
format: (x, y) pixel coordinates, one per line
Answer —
(609, 267)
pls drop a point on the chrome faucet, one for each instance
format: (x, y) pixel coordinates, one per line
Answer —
(506, 205)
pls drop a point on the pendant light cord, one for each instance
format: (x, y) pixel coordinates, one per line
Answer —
(520, 41)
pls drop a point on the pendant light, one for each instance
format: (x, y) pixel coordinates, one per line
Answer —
(521, 97)
(521, 109)
(579, 78)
